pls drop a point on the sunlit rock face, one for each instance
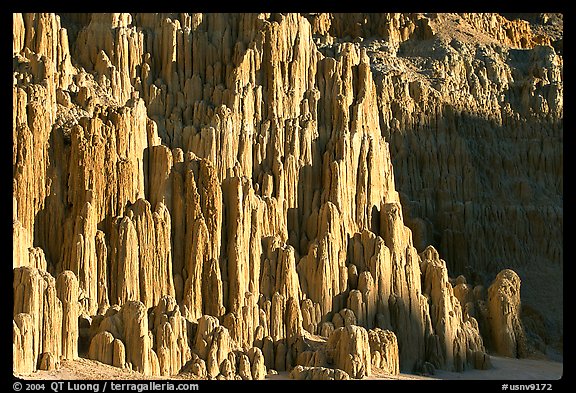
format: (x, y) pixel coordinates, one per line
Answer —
(228, 194)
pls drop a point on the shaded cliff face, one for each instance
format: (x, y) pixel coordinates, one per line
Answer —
(472, 108)
(225, 194)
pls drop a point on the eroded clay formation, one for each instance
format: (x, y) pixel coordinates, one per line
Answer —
(214, 195)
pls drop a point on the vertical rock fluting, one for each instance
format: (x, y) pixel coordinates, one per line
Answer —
(45, 319)
(123, 339)
(506, 330)
(171, 336)
(477, 149)
(456, 332)
(384, 350)
(348, 349)
(225, 189)
(67, 288)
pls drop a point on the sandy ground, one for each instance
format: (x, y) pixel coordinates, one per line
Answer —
(85, 369)
(510, 369)
(503, 369)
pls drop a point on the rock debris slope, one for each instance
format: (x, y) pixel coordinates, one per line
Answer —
(217, 195)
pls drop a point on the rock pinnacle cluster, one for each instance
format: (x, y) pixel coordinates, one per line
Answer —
(228, 196)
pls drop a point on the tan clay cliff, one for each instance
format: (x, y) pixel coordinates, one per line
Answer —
(223, 195)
